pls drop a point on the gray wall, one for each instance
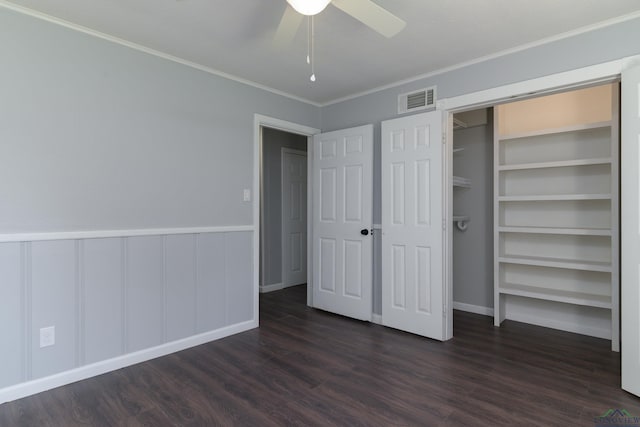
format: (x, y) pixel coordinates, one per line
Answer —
(473, 248)
(273, 141)
(601, 45)
(605, 44)
(97, 136)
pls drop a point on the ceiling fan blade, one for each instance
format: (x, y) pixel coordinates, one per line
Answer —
(372, 15)
(288, 27)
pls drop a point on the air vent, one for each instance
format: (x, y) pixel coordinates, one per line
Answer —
(423, 99)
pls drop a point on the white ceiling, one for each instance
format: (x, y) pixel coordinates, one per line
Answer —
(235, 36)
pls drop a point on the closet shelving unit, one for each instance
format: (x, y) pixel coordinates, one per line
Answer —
(459, 181)
(461, 221)
(556, 222)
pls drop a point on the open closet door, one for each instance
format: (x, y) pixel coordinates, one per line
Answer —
(342, 219)
(412, 224)
(630, 297)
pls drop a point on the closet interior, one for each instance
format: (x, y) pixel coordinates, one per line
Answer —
(536, 204)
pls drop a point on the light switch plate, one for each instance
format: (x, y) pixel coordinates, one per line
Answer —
(246, 195)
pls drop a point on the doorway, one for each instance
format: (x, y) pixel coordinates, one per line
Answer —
(283, 209)
(473, 211)
(536, 212)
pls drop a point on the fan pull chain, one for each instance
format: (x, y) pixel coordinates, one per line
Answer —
(313, 61)
(308, 39)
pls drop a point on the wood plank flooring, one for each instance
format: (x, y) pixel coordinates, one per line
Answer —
(305, 367)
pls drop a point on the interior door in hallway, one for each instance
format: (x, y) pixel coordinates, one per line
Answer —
(294, 217)
(342, 220)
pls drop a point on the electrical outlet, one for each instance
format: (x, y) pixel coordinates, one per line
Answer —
(246, 195)
(47, 336)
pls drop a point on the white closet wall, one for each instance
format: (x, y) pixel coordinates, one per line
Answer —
(556, 212)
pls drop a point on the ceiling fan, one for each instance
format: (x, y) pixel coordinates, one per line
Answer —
(365, 11)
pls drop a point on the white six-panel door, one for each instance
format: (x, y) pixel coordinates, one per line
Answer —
(412, 224)
(342, 208)
(630, 296)
(294, 217)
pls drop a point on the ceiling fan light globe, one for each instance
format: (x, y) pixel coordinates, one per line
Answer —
(309, 7)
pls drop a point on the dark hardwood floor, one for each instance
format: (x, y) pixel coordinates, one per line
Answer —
(306, 367)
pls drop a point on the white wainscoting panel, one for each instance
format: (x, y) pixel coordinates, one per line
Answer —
(102, 290)
(211, 282)
(145, 299)
(54, 299)
(180, 286)
(116, 301)
(12, 320)
(239, 278)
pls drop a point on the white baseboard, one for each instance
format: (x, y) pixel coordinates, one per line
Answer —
(290, 285)
(276, 287)
(477, 309)
(270, 288)
(562, 326)
(29, 388)
(376, 318)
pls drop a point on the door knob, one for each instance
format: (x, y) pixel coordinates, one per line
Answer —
(364, 232)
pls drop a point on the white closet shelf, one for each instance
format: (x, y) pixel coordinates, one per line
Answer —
(578, 298)
(554, 197)
(570, 264)
(557, 230)
(457, 150)
(459, 181)
(551, 131)
(458, 124)
(556, 164)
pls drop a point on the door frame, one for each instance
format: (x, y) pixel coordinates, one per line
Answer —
(283, 151)
(260, 121)
(560, 82)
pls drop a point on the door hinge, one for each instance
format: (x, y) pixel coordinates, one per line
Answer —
(444, 137)
(444, 311)
(444, 224)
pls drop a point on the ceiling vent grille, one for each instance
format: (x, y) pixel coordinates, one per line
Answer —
(423, 99)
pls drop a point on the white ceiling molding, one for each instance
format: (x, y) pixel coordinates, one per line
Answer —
(521, 48)
(580, 77)
(255, 61)
(138, 47)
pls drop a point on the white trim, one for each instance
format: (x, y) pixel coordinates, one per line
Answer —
(592, 74)
(257, 197)
(99, 234)
(489, 57)
(43, 384)
(562, 326)
(575, 78)
(43, 16)
(291, 285)
(470, 308)
(376, 318)
(262, 275)
(310, 221)
(258, 122)
(271, 288)
(141, 48)
(283, 125)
